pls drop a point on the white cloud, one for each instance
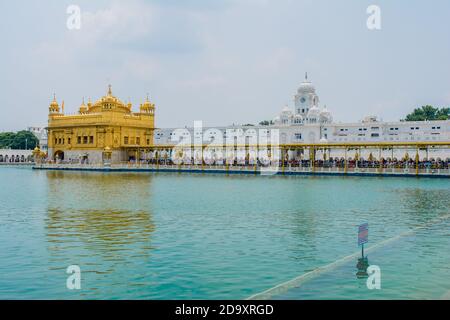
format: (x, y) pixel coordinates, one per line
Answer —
(228, 61)
(104, 31)
(204, 82)
(122, 22)
(276, 60)
(141, 66)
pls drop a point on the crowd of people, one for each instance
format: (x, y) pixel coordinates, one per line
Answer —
(329, 163)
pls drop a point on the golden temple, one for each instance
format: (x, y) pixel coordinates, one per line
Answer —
(106, 131)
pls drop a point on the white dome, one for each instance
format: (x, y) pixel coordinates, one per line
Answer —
(286, 111)
(325, 115)
(306, 87)
(323, 140)
(314, 112)
(325, 111)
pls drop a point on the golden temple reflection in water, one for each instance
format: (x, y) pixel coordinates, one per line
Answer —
(99, 221)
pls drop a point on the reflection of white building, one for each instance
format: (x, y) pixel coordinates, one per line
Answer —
(308, 122)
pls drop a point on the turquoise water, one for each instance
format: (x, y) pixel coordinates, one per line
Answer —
(181, 236)
(415, 266)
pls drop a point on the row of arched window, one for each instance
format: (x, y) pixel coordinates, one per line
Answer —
(15, 158)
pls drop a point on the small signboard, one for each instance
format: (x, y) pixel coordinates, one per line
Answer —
(363, 234)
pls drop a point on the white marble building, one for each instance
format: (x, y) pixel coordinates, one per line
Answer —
(41, 134)
(8, 156)
(308, 122)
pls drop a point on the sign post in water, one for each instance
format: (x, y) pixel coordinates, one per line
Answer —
(363, 236)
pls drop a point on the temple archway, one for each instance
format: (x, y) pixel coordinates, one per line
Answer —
(59, 155)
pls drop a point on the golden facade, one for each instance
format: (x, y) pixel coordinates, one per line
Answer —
(106, 131)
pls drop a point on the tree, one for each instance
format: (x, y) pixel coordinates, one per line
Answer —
(266, 123)
(6, 139)
(428, 113)
(444, 114)
(20, 140)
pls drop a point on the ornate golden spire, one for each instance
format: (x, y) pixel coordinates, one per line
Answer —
(54, 106)
(109, 90)
(83, 108)
(147, 106)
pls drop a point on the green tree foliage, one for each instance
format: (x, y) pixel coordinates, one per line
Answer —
(266, 123)
(428, 113)
(20, 140)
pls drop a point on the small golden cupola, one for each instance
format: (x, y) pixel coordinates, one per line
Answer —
(83, 108)
(54, 106)
(147, 106)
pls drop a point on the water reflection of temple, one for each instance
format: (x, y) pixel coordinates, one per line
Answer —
(99, 221)
(101, 232)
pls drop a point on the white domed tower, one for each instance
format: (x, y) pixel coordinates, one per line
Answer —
(313, 115)
(325, 115)
(305, 98)
(286, 116)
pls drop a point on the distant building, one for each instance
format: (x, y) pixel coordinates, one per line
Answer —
(308, 122)
(15, 156)
(41, 134)
(107, 130)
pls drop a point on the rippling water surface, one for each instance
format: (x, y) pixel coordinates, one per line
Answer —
(181, 236)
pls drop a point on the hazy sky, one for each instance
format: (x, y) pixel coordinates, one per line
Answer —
(223, 62)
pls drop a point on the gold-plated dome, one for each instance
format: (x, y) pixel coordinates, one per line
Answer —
(109, 102)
